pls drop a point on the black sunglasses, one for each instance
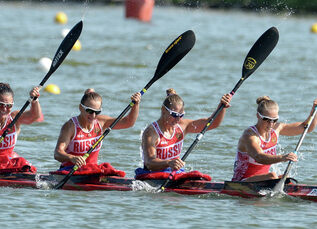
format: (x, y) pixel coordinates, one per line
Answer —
(90, 110)
(174, 114)
(268, 119)
(6, 105)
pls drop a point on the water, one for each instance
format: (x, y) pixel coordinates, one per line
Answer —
(119, 57)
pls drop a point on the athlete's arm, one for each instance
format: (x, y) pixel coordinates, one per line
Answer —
(127, 121)
(66, 134)
(252, 146)
(35, 112)
(297, 128)
(149, 142)
(196, 126)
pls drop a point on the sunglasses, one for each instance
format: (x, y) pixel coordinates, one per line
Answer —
(175, 114)
(6, 105)
(268, 119)
(90, 110)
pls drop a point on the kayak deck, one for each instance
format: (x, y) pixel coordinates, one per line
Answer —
(187, 187)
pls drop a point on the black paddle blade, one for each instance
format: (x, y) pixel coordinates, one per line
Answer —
(260, 51)
(174, 53)
(64, 48)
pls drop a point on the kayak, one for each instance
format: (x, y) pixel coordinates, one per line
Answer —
(264, 188)
(186, 187)
(97, 182)
(81, 183)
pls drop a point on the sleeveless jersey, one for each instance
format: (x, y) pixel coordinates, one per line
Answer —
(245, 166)
(82, 141)
(169, 148)
(8, 143)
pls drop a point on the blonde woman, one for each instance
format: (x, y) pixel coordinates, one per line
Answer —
(257, 145)
(162, 140)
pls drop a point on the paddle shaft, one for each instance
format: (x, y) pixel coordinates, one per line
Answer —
(171, 56)
(59, 57)
(255, 57)
(201, 134)
(306, 127)
(105, 133)
(50, 72)
(210, 121)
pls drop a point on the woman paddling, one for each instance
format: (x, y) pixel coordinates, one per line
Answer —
(257, 145)
(162, 141)
(10, 161)
(81, 132)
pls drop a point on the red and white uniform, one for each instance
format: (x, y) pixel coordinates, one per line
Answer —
(8, 143)
(245, 166)
(169, 148)
(82, 141)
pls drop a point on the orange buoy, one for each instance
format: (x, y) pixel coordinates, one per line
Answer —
(139, 9)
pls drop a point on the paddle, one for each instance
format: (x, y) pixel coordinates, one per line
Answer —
(60, 55)
(280, 185)
(171, 56)
(257, 54)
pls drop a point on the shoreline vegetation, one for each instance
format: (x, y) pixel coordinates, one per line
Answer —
(294, 6)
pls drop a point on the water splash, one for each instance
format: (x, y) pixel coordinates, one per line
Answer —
(280, 167)
(141, 162)
(143, 186)
(86, 8)
(284, 10)
(43, 184)
(280, 8)
(271, 193)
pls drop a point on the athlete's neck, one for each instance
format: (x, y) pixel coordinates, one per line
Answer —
(167, 129)
(2, 122)
(264, 133)
(84, 124)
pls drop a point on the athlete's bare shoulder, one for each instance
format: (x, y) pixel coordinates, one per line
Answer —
(247, 135)
(246, 139)
(149, 131)
(68, 126)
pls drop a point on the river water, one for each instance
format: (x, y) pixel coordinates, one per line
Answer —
(119, 57)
